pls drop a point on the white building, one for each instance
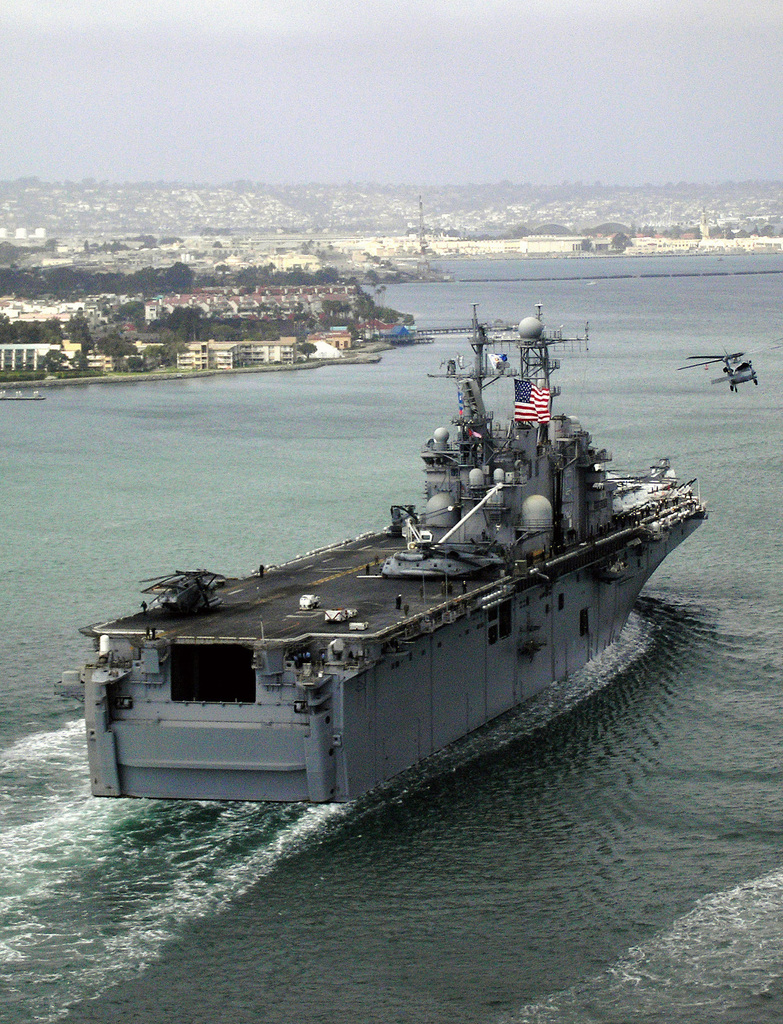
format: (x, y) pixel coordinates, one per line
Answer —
(231, 355)
(256, 353)
(532, 245)
(195, 356)
(25, 357)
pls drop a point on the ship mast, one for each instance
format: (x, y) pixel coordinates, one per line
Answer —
(478, 343)
(536, 363)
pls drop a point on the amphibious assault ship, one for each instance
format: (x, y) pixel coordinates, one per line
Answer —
(318, 679)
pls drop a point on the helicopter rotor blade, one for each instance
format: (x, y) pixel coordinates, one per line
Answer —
(706, 360)
(694, 366)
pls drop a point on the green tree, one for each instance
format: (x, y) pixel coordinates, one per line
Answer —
(115, 346)
(80, 361)
(170, 345)
(54, 360)
(336, 310)
(78, 330)
(52, 332)
(7, 332)
(28, 333)
(177, 278)
(153, 356)
(132, 311)
(185, 321)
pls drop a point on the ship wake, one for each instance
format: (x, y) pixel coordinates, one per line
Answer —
(721, 961)
(91, 891)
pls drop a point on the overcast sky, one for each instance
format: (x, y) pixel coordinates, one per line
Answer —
(421, 92)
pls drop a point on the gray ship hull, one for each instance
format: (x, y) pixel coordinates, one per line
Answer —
(418, 688)
(324, 677)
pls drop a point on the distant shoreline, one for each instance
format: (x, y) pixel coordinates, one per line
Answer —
(623, 277)
(372, 355)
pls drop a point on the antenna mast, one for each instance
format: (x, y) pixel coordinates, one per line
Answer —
(424, 266)
(536, 364)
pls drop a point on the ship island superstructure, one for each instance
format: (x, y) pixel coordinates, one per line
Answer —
(318, 679)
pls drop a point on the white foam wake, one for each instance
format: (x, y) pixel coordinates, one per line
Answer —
(90, 890)
(726, 952)
(156, 920)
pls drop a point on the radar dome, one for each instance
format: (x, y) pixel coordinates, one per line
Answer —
(531, 327)
(440, 510)
(440, 439)
(536, 513)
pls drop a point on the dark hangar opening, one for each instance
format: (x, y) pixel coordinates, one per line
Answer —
(213, 674)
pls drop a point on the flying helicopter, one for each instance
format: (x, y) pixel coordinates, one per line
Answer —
(735, 372)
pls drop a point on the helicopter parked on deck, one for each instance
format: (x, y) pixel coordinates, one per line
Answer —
(184, 592)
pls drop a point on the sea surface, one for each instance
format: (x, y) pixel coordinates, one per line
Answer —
(611, 853)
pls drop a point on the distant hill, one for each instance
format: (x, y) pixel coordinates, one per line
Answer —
(610, 228)
(109, 209)
(552, 229)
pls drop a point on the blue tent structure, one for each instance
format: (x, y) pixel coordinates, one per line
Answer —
(400, 335)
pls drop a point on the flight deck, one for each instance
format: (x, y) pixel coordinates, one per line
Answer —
(345, 578)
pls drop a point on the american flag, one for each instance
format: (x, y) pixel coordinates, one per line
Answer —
(531, 404)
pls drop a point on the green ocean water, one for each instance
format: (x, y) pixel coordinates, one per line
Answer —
(612, 853)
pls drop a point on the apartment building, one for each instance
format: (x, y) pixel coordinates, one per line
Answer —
(232, 355)
(24, 356)
(256, 353)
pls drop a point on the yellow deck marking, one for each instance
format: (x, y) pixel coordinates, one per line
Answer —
(314, 583)
(337, 575)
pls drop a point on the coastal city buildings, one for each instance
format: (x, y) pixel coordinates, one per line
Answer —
(229, 301)
(379, 256)
(200, 273)
(197, 355)
(363, 227)
(98, 209)
(280, 299)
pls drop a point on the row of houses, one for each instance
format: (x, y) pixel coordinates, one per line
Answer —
(308, 299)
(37, 311)
(199, 355)
(233, 355)
(214, 301)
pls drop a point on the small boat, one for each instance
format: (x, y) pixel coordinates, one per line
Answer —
(22, 396)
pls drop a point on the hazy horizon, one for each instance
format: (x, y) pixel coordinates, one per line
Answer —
(625, 92)
(91, 180)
